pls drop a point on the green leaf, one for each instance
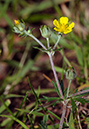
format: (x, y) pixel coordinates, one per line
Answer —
(81, 100)
(20, 122)
(23, 110)
(80, 93)
(6, 107)
(2, 108)
(57, 90)
(54, 115)
(79, 53)
(37, 113)
(45, 118)
(71, 121)
(5, 122)
(13, 95)
(8, 120)
(60, 70)
(25, 98)
(40, 49)
(51, 98)
(17, 113)
(43, 124)
(33, 90)
(62, 86)
(58, 49)
(55, 103)
(73, 105)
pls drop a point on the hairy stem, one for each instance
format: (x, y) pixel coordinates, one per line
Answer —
(57, 42)
(55, 75)
(63, 115)
(36, 40)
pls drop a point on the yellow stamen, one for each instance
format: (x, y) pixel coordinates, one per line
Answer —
(16, 21)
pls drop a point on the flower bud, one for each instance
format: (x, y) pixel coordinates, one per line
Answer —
(71, 73)
(45, 31)
(19, 26)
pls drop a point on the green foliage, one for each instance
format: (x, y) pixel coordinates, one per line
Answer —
(73, 105)
(15, 119)
(7, 103)
(43, 124)
(57, 90)
(18, 59)
(71, 121)
(82, 100)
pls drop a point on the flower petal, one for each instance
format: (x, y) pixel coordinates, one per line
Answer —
(67, 31)
(56, 23)
(58, 29)
(64, 20)
(72, 25)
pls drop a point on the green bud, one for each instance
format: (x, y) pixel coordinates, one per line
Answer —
(45, 31)
(16, 30)
(71, 73)
(19, 26)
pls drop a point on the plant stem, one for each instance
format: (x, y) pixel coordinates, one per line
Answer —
(57, 42)
(63, 115)
(36, 40)
(68, 89)
(55, 75)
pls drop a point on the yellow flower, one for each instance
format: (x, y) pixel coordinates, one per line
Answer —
(63, 25)
(16, 21)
